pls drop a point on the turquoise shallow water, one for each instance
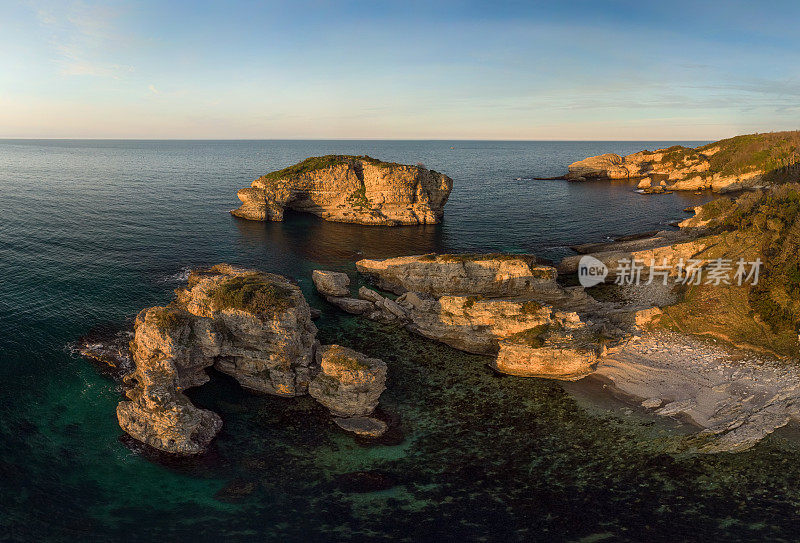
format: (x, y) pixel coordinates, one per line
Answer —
(91, 232)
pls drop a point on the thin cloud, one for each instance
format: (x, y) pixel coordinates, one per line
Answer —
(81, 36)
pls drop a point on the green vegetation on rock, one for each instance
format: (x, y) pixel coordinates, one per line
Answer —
(167, 318)
(253, 293)
(532, 337)
(359, 197)
(344, 361)
(761, 225)
(322, 162)
(777, 153)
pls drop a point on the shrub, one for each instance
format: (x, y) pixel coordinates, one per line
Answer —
(167, 318)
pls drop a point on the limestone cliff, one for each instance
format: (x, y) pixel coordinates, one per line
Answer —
(252, 325)
(741, 162)
(354, 189)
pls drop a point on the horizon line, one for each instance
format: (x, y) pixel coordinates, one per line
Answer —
(11, 138)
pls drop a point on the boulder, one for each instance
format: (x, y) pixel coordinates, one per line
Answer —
(349, 383)
(352, 305)
(370, 295)
(362, 426)
(354, 189)
(330, 283)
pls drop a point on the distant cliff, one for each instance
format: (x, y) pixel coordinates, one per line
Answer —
(354, 189)
(751, 161)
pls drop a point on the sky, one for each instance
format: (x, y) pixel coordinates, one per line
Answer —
(542, 70)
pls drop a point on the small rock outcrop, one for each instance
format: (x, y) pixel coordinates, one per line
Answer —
(354, 189)
(330, 283)
(742, 162)
(349, 383)
(252, 325)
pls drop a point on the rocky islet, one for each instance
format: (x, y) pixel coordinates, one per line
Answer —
(353, 189)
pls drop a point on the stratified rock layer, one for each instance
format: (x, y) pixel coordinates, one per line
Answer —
(354, 189)
(490, 275)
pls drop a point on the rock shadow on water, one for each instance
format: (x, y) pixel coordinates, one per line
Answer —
(334, 243)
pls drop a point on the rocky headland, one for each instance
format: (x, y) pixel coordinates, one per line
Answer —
(352, 189)
(254, 326)
(762, 313)
(743, 162)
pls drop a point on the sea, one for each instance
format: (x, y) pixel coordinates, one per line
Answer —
(91, 232)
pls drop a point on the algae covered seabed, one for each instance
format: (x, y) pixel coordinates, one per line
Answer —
(481, 456)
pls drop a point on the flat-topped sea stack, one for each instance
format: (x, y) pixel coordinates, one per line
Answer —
(352, 189)
(742, 162)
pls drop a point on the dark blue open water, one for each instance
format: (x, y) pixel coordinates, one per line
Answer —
(93, 231)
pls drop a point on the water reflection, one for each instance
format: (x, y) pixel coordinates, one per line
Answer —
(334, 244)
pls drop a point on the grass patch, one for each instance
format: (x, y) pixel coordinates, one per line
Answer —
(322, 162)
(764, 225)
(770, 152)
(346, 361)
(167, 318)
(252, 293)
(470, 300)
(532, 337)
(359, 197)
(530, 307)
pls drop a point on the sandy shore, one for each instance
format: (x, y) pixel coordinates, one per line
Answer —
(736, 397)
